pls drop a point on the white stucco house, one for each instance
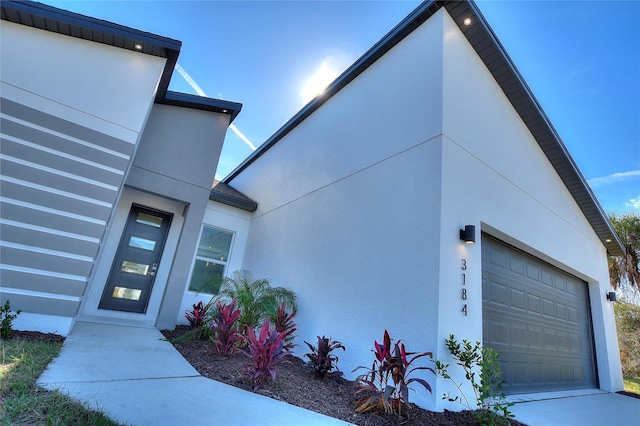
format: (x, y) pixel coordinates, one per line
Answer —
(357, 203)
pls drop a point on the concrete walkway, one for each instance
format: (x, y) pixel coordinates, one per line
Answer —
(136, 378)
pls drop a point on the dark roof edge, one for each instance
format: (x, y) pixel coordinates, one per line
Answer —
(186, 100)
(582, 193)
(72, 18)
(225, 194)
(555, 151)
(393, 37)
(64, 22)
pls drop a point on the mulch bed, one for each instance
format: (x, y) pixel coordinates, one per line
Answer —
(296, 384)
(36, 336)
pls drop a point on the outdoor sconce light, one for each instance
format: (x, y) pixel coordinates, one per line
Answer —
(611, 296)
(468, 234)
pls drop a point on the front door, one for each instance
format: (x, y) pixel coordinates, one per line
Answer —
(136, 262)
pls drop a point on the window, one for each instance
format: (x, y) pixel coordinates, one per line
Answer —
(211, 260)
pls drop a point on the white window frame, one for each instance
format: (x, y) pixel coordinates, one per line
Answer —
(206, 259)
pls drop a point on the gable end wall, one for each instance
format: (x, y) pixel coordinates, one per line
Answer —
(496, 177)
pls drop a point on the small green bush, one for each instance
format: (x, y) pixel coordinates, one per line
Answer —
(628, 325)
(7, 319)
(487, 386)
(256, 299)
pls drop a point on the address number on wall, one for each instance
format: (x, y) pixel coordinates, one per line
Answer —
(463, 291)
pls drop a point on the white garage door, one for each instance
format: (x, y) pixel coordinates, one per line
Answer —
(537, 318)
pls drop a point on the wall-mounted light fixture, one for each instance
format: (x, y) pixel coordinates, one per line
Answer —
(611, 296)
(468, 234)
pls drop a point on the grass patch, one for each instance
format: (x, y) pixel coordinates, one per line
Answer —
(632, 384)
(22, 402)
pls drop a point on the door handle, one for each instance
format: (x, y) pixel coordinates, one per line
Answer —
(153, 270)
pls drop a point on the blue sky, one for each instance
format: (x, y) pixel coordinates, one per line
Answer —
(581, 59)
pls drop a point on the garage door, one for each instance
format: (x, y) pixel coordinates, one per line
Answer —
(537, 318)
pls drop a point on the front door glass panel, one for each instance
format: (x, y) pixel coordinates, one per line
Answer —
(150, 220)
(134, 267)
(142, 243)
(126, 293)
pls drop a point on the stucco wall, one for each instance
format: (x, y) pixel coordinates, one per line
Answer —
(495, 176)
(82, 77)
(182, 144)
(399, 98)
(349, 207)
(73, 111)
(360, 206)
(177, 158)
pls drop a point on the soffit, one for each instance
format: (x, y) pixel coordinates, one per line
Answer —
(49, 18)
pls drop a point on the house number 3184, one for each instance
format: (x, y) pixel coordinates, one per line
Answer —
(463, 291)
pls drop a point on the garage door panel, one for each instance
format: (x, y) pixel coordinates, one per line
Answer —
(572, 315)
(537, 318)
(498, 259)
(558, 284)
(499, 293)
(516, 266)
(546, 277)
(561, 311)
(535, 337)
(518, 299)
(520, 373)
(548, 308)
(533, 272)
(498, 334)
(534, 304)
(537, 373)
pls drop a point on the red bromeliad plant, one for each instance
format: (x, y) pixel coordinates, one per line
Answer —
(224, 331)
(197, 316)
(284, 324)
(386, 384)
(265, 352)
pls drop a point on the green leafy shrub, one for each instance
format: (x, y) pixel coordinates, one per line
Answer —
(628, 326)
(386, 384)
(256, 299)
(487, 386)
(284, 324)
(224, 330)
(265, 352)
(7, 319)
(321, 359)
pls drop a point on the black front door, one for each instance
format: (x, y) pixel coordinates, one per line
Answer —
(136, 262)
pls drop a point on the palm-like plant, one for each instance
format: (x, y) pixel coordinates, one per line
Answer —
(626, 269)
(256, 299)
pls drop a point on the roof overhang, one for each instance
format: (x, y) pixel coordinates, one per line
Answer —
(49, 18)
(223, 193)
(186, 100)
(490, 50)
